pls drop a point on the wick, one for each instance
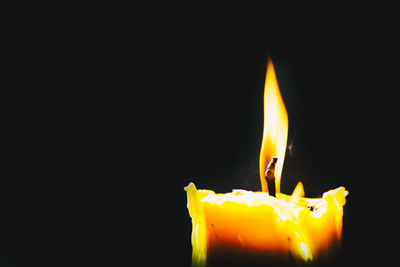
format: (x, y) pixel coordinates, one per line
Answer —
(270, 176)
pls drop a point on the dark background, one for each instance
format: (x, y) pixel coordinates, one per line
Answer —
(338, 78)
(58, 200)
(65, 196)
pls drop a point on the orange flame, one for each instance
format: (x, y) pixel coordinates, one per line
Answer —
(298, 190)
(275, 128)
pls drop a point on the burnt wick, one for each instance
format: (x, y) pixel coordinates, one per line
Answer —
(270, 176)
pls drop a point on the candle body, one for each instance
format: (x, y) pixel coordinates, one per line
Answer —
(254, 224)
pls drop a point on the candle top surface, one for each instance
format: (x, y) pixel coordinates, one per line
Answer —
(294, 203)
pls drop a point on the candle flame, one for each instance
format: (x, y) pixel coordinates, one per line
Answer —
(275, 128)
(298, 190)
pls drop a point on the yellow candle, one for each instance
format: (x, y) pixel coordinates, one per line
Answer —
(257, 225)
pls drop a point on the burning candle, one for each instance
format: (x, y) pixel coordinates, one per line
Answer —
(267, 225)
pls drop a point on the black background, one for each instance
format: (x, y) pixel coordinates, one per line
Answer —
(338, 77)
(65, 197)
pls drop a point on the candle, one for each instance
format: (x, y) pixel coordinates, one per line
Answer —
(266, 226)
